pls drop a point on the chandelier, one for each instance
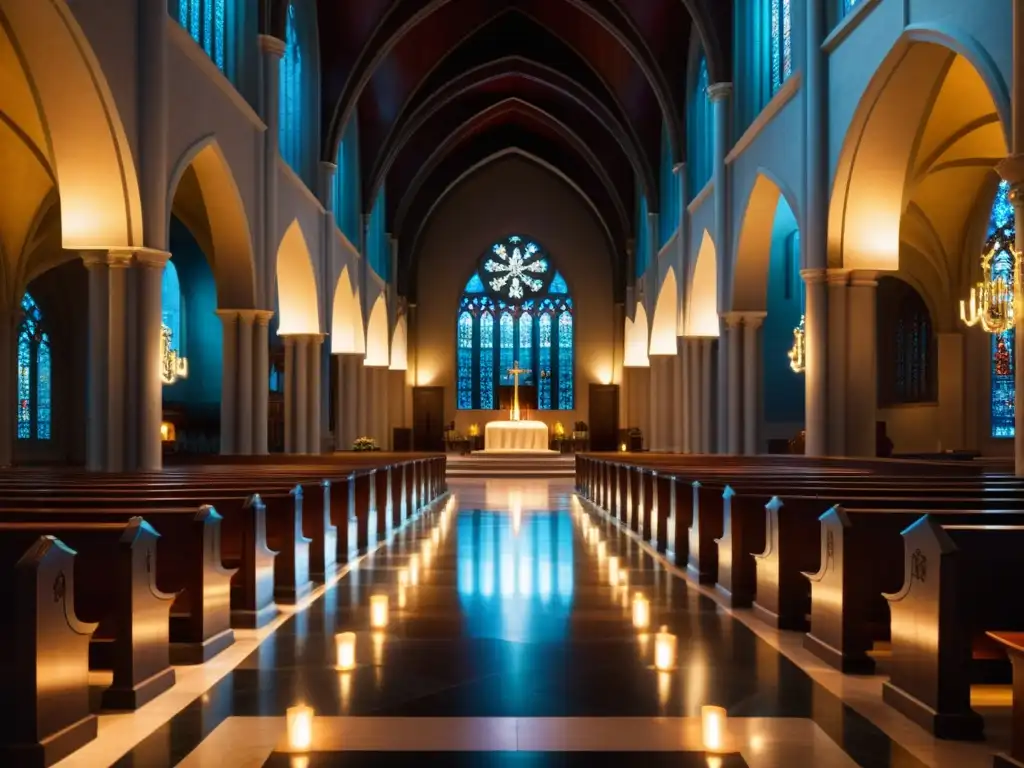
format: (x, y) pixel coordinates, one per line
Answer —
(172, 366)
(797, 355)
(991, 304)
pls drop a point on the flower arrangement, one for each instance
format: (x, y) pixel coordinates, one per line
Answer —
(364, 444)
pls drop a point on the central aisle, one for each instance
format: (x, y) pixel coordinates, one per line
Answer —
(508, 625)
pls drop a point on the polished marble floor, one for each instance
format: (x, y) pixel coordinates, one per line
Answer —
(507, 644)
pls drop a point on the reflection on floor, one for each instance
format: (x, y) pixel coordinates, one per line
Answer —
(509, 639)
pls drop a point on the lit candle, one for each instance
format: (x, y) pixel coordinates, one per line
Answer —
(613, 570)
(379, 611)
(641, 611)
(345, 650)
(300, 726)
(712, 722)
(664, 650)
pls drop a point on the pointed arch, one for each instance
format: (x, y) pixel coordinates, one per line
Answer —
(296, 285)
(346, 319)
(400, 346)
(666, 310)
(86, 142)
(636, 338)
(202, 192)
(702, 306)
(754, 246)
(377, 347)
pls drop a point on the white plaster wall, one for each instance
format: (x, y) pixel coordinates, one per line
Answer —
(295, 202)
(512, 195)
(702, 218)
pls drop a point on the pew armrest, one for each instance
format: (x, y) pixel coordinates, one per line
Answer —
(1012, 642)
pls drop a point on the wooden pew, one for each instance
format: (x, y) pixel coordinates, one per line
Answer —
(45, 676)
(1013, 644)
(959, 583)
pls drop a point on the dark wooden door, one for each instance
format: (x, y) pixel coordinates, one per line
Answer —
(604, 417)
(428, 418)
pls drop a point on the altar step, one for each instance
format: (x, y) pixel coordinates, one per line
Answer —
(554, 466)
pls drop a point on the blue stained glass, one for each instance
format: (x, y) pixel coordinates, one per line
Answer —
(43, 389)
(558, 284)
(526, 347)
(24, 385)
(291, 96)
(1002, 236)
(208, 26)
(475, 284)
(206, 23)
(781, 43)
(544, 389)
(848, 5)
(465, 361)
(506, 329)
(170, 295)
(219, 24)
(487, 361)
(565, 368)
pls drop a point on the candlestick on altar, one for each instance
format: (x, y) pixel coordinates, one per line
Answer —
(515, 371)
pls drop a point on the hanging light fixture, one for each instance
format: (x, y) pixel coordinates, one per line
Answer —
(992, 304)
(797, 355)
(172, 366)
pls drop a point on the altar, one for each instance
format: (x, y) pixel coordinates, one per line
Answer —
(515, 436)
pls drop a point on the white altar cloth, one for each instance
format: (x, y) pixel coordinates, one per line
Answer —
(516, 436)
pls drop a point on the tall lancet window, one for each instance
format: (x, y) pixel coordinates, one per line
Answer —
(781, 21)
(207, 22)
(1002, 234)
(519, 310)
(292, 107)
(34, 402)
(172, 315)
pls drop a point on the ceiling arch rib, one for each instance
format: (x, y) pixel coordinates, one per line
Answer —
(490, 141)
(502, 77)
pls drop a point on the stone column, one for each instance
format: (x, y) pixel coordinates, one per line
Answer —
(364, 401)
(656, 404)
(246, 382)
(837, 357)
(680, 396)
(313, 394)
(686, 366)
(732, 389)
(950, 371)
(752, 377)
(149, 307)
(299, 427)
(229, 381)
(107, 374)
(706, 394)
(348, 400)
(862, 395)
(271, 51)
(154, 104)
(816, 362)
(9, 321)
(261, 381)
(720, 95)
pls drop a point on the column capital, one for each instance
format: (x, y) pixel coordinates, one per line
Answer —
(863, 278)
(263, 316)
(105, 258)
(719, 91)
(227, 316)
(152, 257)
(753, 319)
(837, 276)
(1011, 169)
(247, 316)
(275, 46)
(732, 319)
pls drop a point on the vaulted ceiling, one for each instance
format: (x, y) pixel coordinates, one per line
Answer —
(440, 86)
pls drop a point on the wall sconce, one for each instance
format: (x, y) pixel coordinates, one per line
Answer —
(641, 611)
(712, 726)
(664, 650)
(379, 611)
(798, 353)
(300, 726)
(991, 303)
(345, 650)
(613, 570)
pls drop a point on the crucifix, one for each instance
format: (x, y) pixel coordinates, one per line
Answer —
(515, 372)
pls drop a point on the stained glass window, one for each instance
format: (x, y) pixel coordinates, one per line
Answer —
(544, 390)
(521, 311)
(848, 5)
(565, 361)
(525, 357)
(781, 42)
(1002, 233)
(487, 361)
(465, 372)
(170, 294)
(906, 361)
(207, 22)
(701, 133)
(292, 96)
(34, 413)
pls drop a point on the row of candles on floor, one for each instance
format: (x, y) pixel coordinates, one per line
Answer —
(299, 719)
(665, 643)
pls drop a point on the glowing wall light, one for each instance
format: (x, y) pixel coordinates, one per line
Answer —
(664, 650)
(300, 726)
(345, 650)
(712, 726)
(379, 611)
(641, 611)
